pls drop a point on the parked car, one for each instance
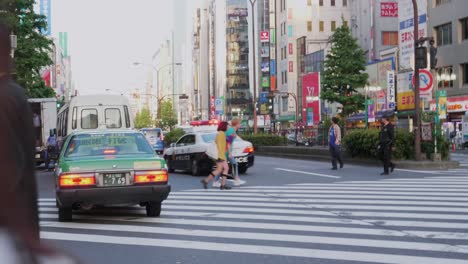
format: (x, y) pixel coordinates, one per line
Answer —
(109, 167)
(189, 153)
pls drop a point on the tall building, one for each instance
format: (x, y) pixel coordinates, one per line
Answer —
(448, 24)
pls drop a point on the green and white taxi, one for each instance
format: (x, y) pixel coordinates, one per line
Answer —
(109, 167)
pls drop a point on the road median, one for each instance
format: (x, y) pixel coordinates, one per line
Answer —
(323, 154)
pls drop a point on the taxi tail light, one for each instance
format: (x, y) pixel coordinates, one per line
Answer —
(77, 179)
(249, 150)
(151, 176)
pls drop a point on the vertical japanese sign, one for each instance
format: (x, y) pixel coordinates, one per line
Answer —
(45, 10)
(63, 42)
(290, 47)
(219, 106)
(406, 29)
(371, 112)
(441, 104)
(391, 90)
(311, 98)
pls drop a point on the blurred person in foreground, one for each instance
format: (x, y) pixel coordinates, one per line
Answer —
(19, 221)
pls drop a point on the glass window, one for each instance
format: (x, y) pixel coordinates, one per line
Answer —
(445, 77)
(441, 2)
(285, 77)
(444, 34)
(75, 118)
(465, 73)
(208, 138)
(345, 23)
(333, 25)
(309, 26)
(320, 2)
(83, 145)
(59, 125)
(65, 122)
(345, 2)
(390, 38)
(127, 117)
(464, 28)
(309, 2)
(321, 26)
(187, 140)
(332, 2)
(113, 118)
(290, 31)
(89, 118)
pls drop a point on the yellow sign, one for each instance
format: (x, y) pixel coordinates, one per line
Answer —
(405, 101)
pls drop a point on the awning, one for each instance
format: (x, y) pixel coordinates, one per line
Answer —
(362, 116)
(285, 118)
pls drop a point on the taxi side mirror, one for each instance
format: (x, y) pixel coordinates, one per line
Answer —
(173, 145)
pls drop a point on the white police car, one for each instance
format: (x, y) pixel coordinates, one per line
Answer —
(189, 153)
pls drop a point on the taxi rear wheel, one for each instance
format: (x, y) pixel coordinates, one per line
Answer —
(153, 209)
(65, 214)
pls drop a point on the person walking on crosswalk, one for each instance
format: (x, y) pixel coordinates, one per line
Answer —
(334, 141)
(386, 142)
(221, 163)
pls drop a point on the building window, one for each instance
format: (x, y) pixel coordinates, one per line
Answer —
(441, 2)
(285, 77)
(464, 28)
(321, 26)
(290, 13)
(320, 2)
(309, 2)
(444, 34)
(284, 104)
(345, 2)
(390, 38)
(309, 26)
(333, 25)
(345, 23)
(290, 31)
(332, 2)
(445, 77)
(465, 73)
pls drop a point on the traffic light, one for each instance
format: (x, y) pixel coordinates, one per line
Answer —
(421, 58)
(433, 53)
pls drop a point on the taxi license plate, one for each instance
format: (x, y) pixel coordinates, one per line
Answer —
(114, 179)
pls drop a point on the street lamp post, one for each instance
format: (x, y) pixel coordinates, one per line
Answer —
(252, 4)
(417, 106)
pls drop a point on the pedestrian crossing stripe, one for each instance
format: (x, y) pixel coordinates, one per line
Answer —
(400, 216)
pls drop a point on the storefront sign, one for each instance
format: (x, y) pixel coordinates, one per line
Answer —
(389, 9)
(391, 90)
(265, 82)
(442, 97)
(311, 98)
(453, 105)
(264, 36)
(405, 101)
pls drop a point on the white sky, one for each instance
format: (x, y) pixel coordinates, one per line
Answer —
(105, 37)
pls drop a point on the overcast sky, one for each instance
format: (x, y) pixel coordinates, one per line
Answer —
(106, 36)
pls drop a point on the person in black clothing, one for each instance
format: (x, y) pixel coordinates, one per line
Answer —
(387, 136)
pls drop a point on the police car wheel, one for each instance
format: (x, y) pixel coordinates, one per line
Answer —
(242, 170)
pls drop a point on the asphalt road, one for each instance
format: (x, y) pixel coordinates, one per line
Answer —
(290, 211)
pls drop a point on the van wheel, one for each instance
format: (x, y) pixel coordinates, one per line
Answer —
(195, 168)
(65, 214)
(153, 209)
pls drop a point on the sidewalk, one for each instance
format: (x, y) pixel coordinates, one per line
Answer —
(322, 153)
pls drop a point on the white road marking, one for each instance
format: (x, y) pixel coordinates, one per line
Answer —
(355, 188)
(309, 173)
(262, 236)
(254, 249)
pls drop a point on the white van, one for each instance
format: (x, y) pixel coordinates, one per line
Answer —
(94, 112)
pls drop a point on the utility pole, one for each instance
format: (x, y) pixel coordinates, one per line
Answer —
(173, 71)
(252, 3)
(417, 104)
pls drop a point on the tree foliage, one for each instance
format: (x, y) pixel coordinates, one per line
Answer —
(344, 72)
(168, 116)
(143, 119)
(33, 48)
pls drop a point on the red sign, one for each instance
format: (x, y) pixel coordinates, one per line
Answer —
(264, 36)
(389, 9)
(425, 80)
(290, 49)
(212, 107)
(291, 66)
(273, 83)
(311, 98)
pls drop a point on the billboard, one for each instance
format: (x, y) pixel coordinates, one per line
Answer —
(311, 98)
(45, 10)
(406, 29)
(264, 36)
(389, 9)
(265, 52)
(265, 66)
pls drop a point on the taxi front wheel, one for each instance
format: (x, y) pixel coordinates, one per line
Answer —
(65, 214)
(153, 209)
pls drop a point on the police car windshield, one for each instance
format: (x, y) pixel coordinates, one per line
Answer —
(103, 144)
(208, 138)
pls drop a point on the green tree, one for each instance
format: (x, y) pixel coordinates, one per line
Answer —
(143, 118)
(344, 72)
(168, 116)
(33, 49)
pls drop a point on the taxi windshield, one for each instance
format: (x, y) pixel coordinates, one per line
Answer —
(103, 144)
